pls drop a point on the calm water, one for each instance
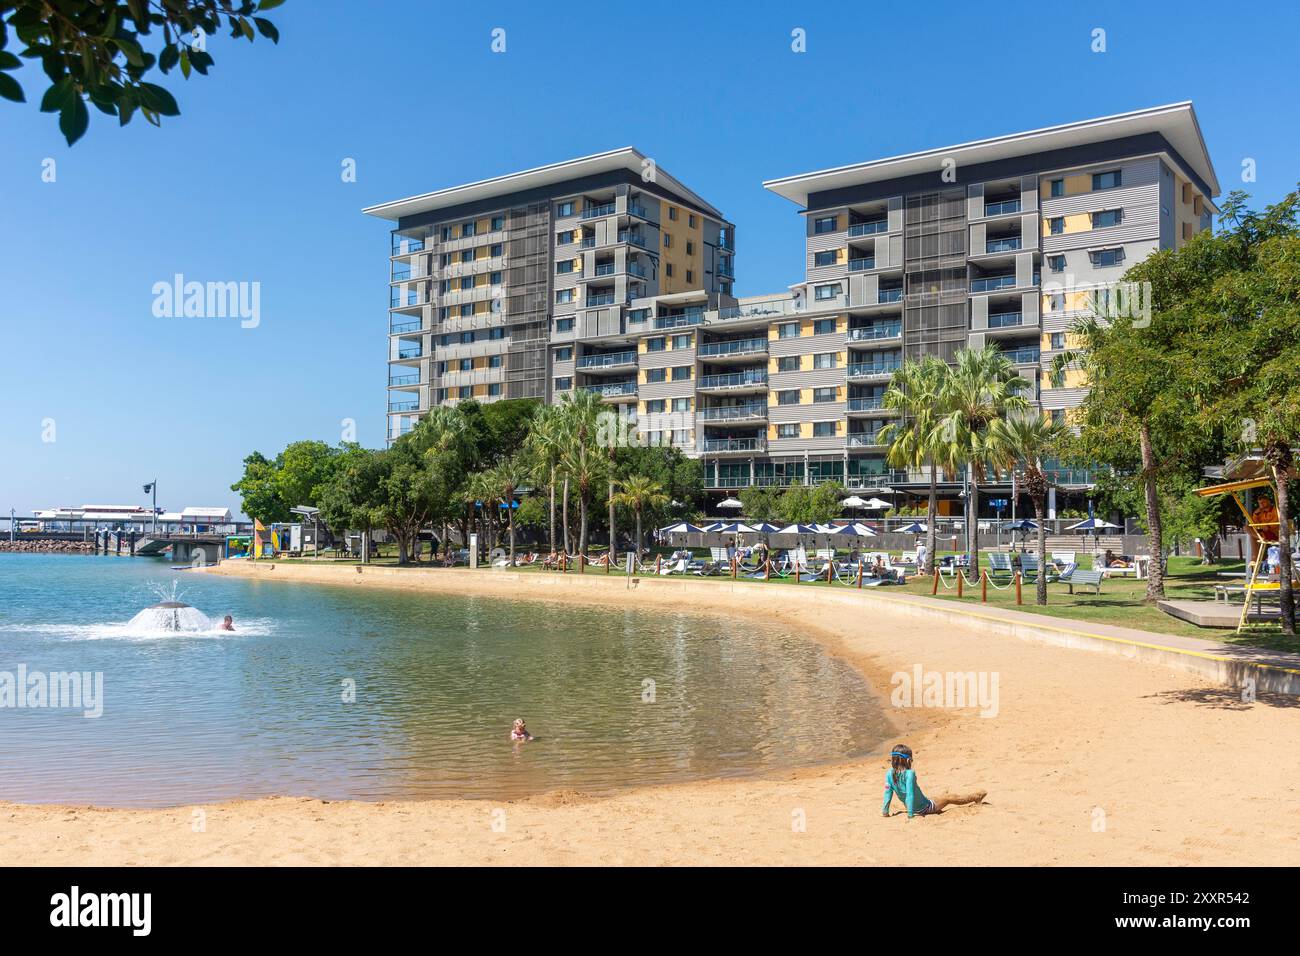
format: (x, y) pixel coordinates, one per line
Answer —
(215, 715)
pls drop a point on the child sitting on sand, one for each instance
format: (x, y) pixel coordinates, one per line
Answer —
(900, 780)
(520, 731)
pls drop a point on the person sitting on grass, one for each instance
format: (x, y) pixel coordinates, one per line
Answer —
(900, 781)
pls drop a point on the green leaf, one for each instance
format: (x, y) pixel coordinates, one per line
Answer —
(10, 89)
(59, 96)
(247, 27)
(131, 49)
(158, 100)
(8, 61)
(185, 63)
(169, 57)
(74, 119)
(268, 5)
(267, 29)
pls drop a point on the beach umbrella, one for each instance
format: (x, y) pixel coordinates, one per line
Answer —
(730, 503)
(764, 527)
(1024, 525)
(1091, 524)
(856, 530)
(682, 527)
(734, 527)
(878, 504)
(916, 527)
(799, 529)
(854, 502)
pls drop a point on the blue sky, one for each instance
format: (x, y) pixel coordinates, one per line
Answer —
(245, 185)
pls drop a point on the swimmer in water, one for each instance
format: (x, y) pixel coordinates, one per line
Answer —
(228, 624)
(520, 730)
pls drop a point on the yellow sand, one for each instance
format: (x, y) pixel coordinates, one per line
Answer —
(1092, 759)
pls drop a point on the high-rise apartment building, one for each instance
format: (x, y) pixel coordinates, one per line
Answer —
(590, 274)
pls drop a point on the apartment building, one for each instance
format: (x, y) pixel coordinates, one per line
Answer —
(528, 285)
(587, 274)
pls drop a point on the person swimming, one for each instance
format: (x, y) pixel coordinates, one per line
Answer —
(520, 730)
(228, 624)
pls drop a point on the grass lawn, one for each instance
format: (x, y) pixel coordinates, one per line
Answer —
(1120, 602)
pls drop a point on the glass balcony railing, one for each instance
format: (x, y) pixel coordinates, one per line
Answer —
(726, 270)
(409, 353)
(992, 283)
(607, 360)
(869, 228)
(868, 333)
(1001, 208)
(870, 404)
(636, 239)
(737, 347)
(635, 270)
(397, 327)
(413, 379)
(636, 209)
(859, 265)
(889, 295)
(734, 379)
(726, 241)
(604, 268)
(604, 298)
(861, 439)
(589, 242)
(735, 444)
(863, 369)
(592, 212)
(1005, 320)
(410, 406)
(731, 413)
(401, 272)
(1023, 356)
(402, 245)
(1008, 244)
(694, 317)
(757, 310)
(612, 389)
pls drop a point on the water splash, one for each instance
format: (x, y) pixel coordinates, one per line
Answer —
(171, 616)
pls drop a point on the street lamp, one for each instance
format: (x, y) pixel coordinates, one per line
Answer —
(152, 488)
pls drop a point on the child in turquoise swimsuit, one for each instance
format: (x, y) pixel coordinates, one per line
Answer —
(900, 781)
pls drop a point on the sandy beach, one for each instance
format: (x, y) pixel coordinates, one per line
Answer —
(1091, 759)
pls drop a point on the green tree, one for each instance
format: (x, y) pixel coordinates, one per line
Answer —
(259, 490)
(94, 50)
(1030, 438)
(640, 493)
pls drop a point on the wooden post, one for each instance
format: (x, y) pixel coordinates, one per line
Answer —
(767, 568)
(935, 590)
(1018, 597)
(859, 574)
(658, 558)
(734, 562)
(608, 562)
(582, 564)
(564, 562)
(961, 579)
(984, 585)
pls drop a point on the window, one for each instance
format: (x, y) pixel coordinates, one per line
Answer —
(655, 375)
(466, 338)
(824, 292)
(826, 258)
(1107, 257)
(465, 391)
(494, 390)
(1057, 188)
(681, 404)
(564, 209)
(467, 310)
(447, 233)
(690, 275)
(564, 295)
(467, 255)
(1056, 225)
(496, 333)
(494, 361)
(466, 365)
(822, 395)
(498, 222)
(787, 363)
(825, 224)
(655, 405)
(668, 267)
(672, 213)
(823, 327)
(668, 240)
(564, 325)
(564, 238)
(788, 330)
(823, 429)
(657, 344)
(467, 282)
(495, 278)
(564, 384)
(789, 397)
(444, 285)
(1056, 302)
(1107, 180)
(467, 230)
(788, 430)
(496, 250)
(1058, 340)
(1058, 416)
(690, 248)
(1058, 379)
(1056, 263)
(563, 268)
(564, 354)
(681, 373)
(690, 220)
(825, 360)
(682, 341)
(681, 436)
(1106, 218)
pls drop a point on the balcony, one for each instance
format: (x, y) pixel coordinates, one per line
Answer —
(737, 347)
(609, 360)
(726, 270)
(864, 439)
(885, 296)
(1006, 244)
(1003, 208)
(1023, 356)
(734, 446)
(871, 404)
(693, 317)
(1005, 320)
(396, 328)
(993, 283)
(868, 228)
(413, 379)
(595, 212)
(636, 239)
(751, 379)
(411, 245)
(604, 268)
(410, 353)
(757, 310)
(726, 241)
(636, 209)
(411, 406)
(871, 333)
(612, 389)
(732, 413)
(603, 298)
(861, 265)
(874, 369)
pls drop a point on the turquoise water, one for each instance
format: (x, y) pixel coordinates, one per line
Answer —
(213, 715)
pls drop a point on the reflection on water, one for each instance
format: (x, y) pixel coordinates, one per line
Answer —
(615, 697)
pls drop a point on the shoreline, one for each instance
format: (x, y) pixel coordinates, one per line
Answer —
(1076, 735)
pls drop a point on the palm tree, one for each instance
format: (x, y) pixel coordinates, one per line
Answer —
(580, 460)
(482, 490)
(639, 492)
(1028, 439)
(915, 393)
(982, 387)
(507, 478)
(544, 446)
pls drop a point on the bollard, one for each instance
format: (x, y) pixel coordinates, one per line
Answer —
(935, 590)
(767, 568)
(859, 574)
(961, 579)
(658, 559)
(984, 585)
(564, 562)
(1018, 600)
(733, 567)
(582, 564)
(608, 562)
(829, 565)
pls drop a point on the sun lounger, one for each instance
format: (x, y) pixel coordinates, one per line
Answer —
(1029, 569)
(1063, 558)
(678, 567)
(1077, 575)
(1000, 564)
